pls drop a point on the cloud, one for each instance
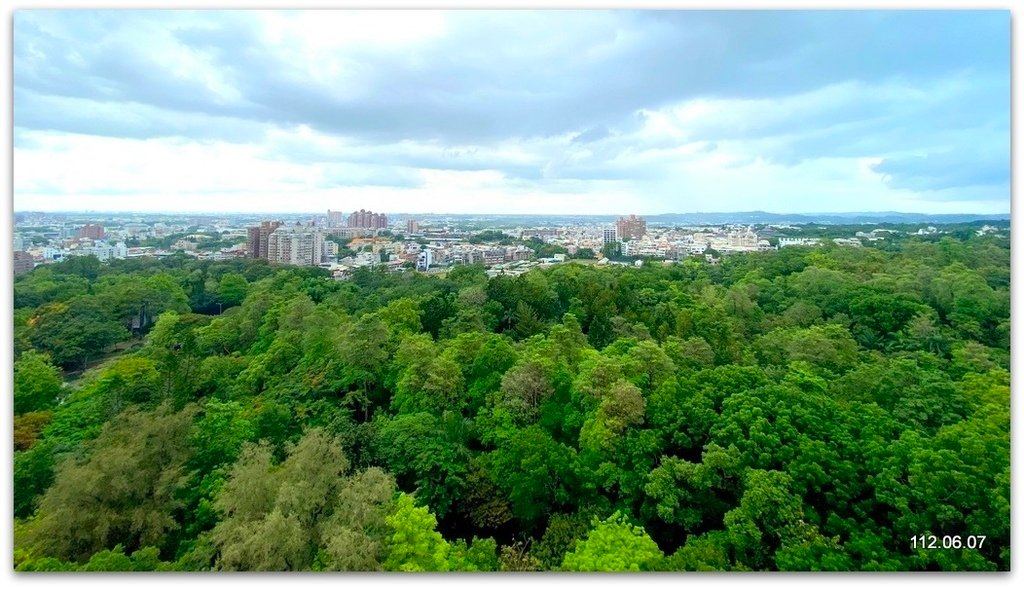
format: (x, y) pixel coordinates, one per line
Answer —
(593, 134)
(629, 104)
(959, 168)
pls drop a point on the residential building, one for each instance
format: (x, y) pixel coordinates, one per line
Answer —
(610, 236)
(102, 251)
(368, 219)
(335, 218)
(23, 262)
(296, 245)
(258, 240)
(631, 227)
(424, 260)
(91, 232)
(517, 253)
(331, 250)
(412, 226)
(541, 234)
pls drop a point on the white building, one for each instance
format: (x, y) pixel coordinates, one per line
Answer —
(296, 245)
(698, 248)
(331, 249)
(789, 241)
(610, 236)
(336, 218)
(424, 260)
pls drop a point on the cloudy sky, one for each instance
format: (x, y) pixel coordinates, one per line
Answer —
(510, 112)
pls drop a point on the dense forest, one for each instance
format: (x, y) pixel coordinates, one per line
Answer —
(803, 409)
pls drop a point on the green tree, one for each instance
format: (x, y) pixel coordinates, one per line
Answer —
(273, 515)
(37, 383)
(124, 492)
(429, 454)
(524, 388)
(354, 536)
(533, 471)
(614, 545)
(75, 331)
(414, 543)
(232, 289)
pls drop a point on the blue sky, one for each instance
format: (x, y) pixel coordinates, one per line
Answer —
(509, 112)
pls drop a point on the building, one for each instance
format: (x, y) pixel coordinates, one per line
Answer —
(102, 251)
(296, 245)
(19, 242)
(257, 243)
(335, 218)
(91, 232)
(698, 247)
(541, 234)
(517, 253)
(331, 250)
(610, 236)
(631, 227)
(848, 242)
(412, 226)
(791, 241)
(368, 220)
(185, 245)
(23, 262)
(424, 260)
(493, 256)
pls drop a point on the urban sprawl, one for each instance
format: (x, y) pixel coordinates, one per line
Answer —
(342, 243)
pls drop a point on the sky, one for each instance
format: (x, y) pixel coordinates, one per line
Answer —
(599, 112)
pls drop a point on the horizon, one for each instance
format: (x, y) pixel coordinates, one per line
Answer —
(486, 112)
(494, 214)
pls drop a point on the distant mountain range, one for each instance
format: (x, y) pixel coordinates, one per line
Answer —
(820, 218)
(536, 220)
(751, 217)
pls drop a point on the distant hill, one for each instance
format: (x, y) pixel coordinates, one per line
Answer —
(531, 220)
(820, 218)
(751, 217)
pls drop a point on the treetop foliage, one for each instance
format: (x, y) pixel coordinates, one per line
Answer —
(804, 409)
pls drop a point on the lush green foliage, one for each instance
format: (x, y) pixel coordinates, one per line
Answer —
(806, 409)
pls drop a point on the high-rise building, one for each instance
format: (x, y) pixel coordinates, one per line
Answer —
(335, 218)
(296, 245)
(258, 239)
(23, 262)
(368, 219)
(19, 242)
(610, 236)
(91, 232)
(252, 242)
(412, 226)
(631, 227)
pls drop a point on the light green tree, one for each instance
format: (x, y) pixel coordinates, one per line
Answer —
(414, 543)
(614, 545)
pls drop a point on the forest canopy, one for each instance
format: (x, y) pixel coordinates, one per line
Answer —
(812, 408)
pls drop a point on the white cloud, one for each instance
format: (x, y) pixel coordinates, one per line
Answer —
(603, 112)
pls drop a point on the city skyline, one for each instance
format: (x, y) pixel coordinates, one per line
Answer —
(488, 112)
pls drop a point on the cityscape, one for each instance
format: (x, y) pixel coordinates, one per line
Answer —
(501, 291)
(341, 243)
